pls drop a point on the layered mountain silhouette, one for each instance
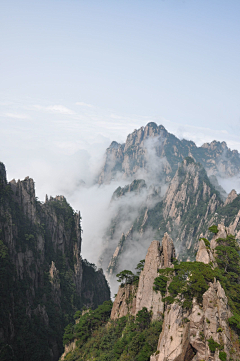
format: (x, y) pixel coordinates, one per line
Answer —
(177, 192)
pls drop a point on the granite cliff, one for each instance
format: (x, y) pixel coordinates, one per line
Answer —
(173, 310)
(43, 277)
(187, 209)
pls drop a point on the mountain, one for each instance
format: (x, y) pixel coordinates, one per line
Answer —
(44, 280)
(173, 187)
(154, 152)
(170, 310)
(190, 205)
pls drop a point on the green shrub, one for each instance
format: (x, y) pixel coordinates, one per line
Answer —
(222, 356)
(187, 280)
(213, 229)
(143, 318)
(206, 241)
(126, 338)
(160, 284)
(213, 345)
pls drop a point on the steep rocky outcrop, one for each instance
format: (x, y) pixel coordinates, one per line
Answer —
(157, 257)
(43, 277)
(131, 298)
(230, 198)
(125, 302)
(186, 333)
(136, 186)
(197, 332)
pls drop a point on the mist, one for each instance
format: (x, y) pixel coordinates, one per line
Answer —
(65, 157)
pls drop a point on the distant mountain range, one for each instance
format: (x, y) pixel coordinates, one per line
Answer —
(151, 149)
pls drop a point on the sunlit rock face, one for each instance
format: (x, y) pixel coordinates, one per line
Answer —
(186, 332)
(143, 294)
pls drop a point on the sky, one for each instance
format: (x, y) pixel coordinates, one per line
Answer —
(76, 75)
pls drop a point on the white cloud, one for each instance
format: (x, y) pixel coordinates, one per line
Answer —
(16, 116)
(85, 104)
(60, 109)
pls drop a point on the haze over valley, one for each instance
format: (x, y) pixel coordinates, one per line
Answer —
(120, 180)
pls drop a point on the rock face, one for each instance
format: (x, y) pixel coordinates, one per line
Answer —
(190, 205)
(125, 302)
(185, 334)
(156, 258)
(143, 295)
(43, 277)
(186, 199)
(230, 198)
(126, 160)
(206, 254)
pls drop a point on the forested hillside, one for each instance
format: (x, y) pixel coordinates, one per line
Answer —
(43, 277)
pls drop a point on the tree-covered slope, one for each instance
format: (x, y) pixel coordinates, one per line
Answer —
(43, 278)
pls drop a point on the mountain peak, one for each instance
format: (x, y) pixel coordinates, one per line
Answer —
(114, 145)
(3, 173)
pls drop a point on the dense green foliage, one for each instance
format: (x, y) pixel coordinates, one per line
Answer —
(213, 345)
(125, 339)
(160, 284)
(128, 277)
(213, 229)
(87, 323)
(222, 356)
(32, 314)
(187, 280)
(191, 279)
(228, 273)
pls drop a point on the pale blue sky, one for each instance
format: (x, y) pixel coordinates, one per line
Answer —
(76, 75)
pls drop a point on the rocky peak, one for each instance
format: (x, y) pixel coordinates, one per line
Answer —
(3, 177)
(136, 186)
(232, 195)
(206, 252)
(133, 155)
(114, 145)
(24, 195)
(157, 257)
(167, 251)
(214, 145)
(143, 295)
(138, 137)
